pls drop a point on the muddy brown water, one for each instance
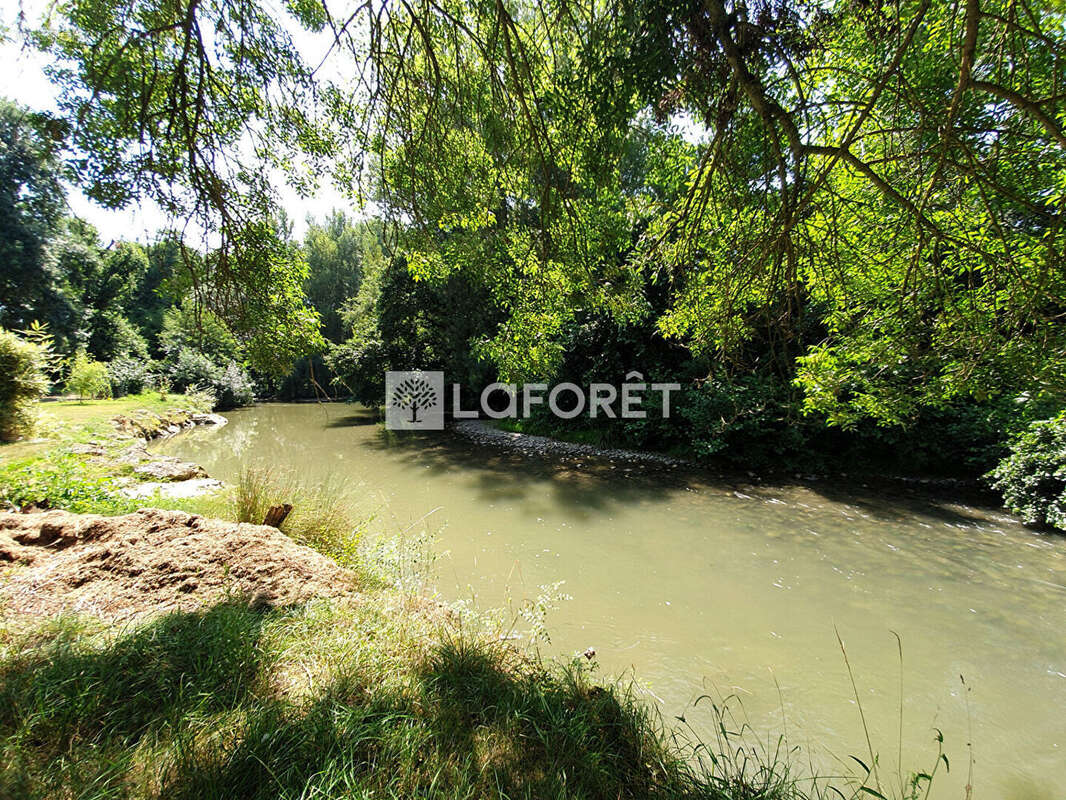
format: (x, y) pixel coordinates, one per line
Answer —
(692, 585)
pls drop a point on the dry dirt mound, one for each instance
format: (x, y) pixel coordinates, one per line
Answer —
(152, 561)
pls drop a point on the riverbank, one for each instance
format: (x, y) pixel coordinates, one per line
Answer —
(93, 455)
(487, 434)
(338, 698)
(482, 433)
(348, 682)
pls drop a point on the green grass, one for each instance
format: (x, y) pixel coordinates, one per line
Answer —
(332, 699)
(58, 479)
(366, 696)
(68, 421)
(44, 472)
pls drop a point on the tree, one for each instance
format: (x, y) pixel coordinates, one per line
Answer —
(31, 204)
(202, 143)
(185, 327)
(395, 321)
(895, 171)
(875, 206)
(92, 286)
(336, 251)
(152, 295)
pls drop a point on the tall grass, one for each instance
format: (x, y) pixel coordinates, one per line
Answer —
(323, 517)
(332, 700)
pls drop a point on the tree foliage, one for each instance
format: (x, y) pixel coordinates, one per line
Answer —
(31, 204)
(337, 252)
(862, 202)
(895, 171)
(193, 105)
(1032, 478)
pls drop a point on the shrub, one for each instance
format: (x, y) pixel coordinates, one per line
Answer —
(88, 378)
(233, 387)
(747, 422)
(322, 517)
(130, 376)
(23, 380)
(199, 399)
(191, 369)
(1032, 478)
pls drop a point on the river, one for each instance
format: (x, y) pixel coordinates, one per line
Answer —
(692, 585)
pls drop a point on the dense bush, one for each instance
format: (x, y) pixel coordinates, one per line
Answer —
(1032, 478)
(746, 422)
(88, 378)
(230, 384)
(23, 379)
(191, 368)
(130, 376)
(233, 387)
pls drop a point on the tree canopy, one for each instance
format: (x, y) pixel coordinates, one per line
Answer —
(862, 197)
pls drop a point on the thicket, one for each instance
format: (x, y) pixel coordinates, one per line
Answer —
(23, 380)
(1032, 478)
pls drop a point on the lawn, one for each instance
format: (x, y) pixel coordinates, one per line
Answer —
(46, 473)
(62, 421)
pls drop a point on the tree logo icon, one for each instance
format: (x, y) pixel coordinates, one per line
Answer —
(414, 400)
(414, 394)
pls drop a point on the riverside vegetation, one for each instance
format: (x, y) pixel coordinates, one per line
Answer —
(928, 353)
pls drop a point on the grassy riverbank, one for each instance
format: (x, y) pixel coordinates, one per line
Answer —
(357, 698)
(74, 461)
(70, 421)
(378, 693)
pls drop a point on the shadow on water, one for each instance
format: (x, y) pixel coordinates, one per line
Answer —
(579, 485)
(587, 484)
(354, 418)
(891, 502)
